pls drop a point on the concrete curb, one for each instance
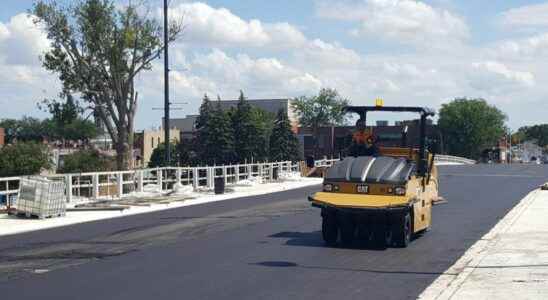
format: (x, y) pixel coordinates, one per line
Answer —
(447, 284)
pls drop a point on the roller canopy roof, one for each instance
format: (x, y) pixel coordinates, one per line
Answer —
(364, 109)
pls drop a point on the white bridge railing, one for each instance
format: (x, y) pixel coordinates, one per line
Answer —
(454, 159)
(115, 185)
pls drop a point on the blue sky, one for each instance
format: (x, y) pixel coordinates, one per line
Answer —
(407, 52)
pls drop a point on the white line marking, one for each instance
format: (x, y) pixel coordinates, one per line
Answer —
(491, 175)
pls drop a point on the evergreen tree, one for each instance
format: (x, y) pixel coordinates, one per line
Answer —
(202, 132)
(284, 145)
(216, 138)
(248, 143)
(205, 110)
(264, 123)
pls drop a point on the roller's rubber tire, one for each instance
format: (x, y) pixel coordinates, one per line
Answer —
(379, 237)
(348, 231)
(364, 233)
(330, 230)
(402, 231)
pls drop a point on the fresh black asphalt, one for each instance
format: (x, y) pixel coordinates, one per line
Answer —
(262, 247)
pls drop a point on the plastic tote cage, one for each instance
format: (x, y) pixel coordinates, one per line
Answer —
(41, 198)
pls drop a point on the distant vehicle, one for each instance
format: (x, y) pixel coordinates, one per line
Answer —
(535, 160)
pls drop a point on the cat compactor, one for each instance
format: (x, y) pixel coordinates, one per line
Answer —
(379, 194)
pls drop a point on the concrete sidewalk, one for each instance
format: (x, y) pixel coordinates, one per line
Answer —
(509, 262)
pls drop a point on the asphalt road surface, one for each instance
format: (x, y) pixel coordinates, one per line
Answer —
(262, 247)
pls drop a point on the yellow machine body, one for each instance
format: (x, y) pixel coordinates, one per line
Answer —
(418, 197)
(380, 194)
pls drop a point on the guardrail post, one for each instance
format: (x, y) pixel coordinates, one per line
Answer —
(237, 173)
(225, 174)
(120, 183)
(95, 183)
(178, 174)
(195, 178)
(249, 171)
(159, 175)
(210, 177)
(68, 182)
(140, 175)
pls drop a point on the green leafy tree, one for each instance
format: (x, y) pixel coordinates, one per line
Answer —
(97, 49)
(186, 154)
(66, 122)
(23, 158)
(284, 144)
(86, 161)
(78, 129)
(470, 125)
(536, 133)
(182, 154)
(157, 158)
(26, 129)
(325, 109)
(248, 128)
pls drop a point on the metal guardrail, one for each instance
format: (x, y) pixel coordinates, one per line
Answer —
(454, 159)
(115, 185)
(325, 162)
(439, 158)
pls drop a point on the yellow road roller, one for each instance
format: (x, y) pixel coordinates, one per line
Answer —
(380, 194)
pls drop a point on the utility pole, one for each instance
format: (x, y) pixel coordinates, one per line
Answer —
(166, 87)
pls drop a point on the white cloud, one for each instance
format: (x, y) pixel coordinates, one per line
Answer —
(402, 21)
(320, 54)
(220, 27)
(23, 82)
(263, 76)
(496, 76)
(21, 41)
(278, 60)
(526, 48)
(529, 15)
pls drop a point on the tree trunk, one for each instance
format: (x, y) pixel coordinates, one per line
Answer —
(122, 149)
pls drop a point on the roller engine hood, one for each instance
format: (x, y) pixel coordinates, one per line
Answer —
(369, 169)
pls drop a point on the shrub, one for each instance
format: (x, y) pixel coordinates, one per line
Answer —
(27, 158)
(86, 161)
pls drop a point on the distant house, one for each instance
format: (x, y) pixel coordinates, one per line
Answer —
(148, 140)
(187, 125)
(2, 137)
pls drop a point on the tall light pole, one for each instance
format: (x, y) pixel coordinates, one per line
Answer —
(166, 86)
